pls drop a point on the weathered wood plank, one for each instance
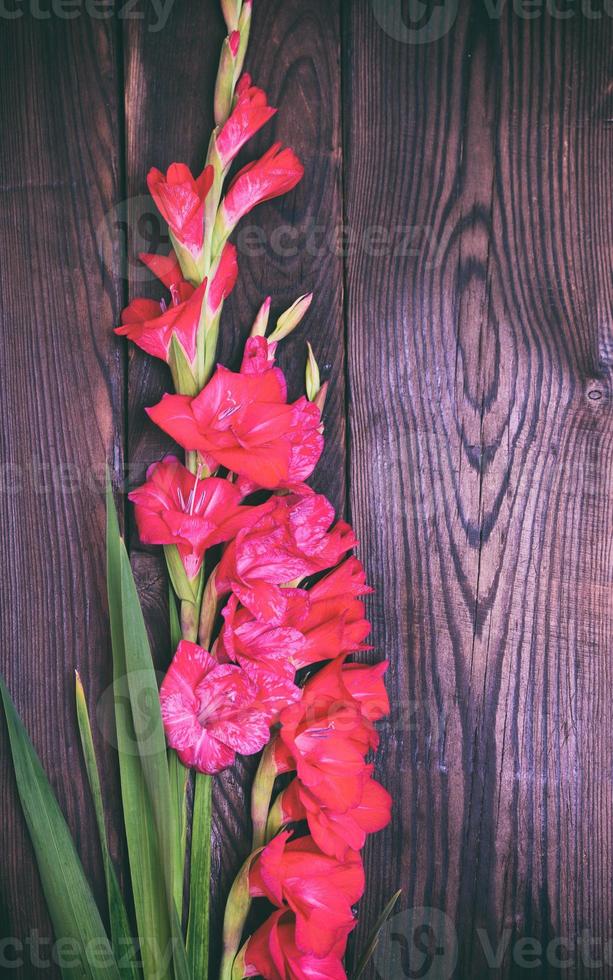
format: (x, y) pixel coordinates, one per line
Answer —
(481, 459)
(294, 56)
(61, 404)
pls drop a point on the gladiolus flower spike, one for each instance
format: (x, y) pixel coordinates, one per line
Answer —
(264, 571)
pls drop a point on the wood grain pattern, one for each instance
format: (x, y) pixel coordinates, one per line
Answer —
(474, 174)
(61, 406)
(294, 55)
(480, 470)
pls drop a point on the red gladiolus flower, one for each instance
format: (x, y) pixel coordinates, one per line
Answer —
(330, 627)
(337, 833)
(263, 651)
(309, 632)
(258, 356)
(326, 736)
(243, 422)
(174, 507)
(273, 954)
(365, 684)
(347, 579)
(277, 172)
(166, 268)
(211, 711)
(333, 621)
(258, 645)
(250, 113)
(180, 199)
(318, 889)
(291, 541)
(151, 325)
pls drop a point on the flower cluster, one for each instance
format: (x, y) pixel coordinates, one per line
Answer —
(279, 614)
(263, 572)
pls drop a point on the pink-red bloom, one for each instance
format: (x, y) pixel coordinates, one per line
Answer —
(318, 889)
(338, 833)
(326, 736)
(258, 356)
(292, 540)
(272, 953)
(211, 711)
(318, 624)
(174, 507)
(180, 199)
(151, 325)
(264, 653)
(243, 422)
(277, 172)
(257, 645)
(251, 111)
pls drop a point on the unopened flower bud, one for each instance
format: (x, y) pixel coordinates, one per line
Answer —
(289, 320)
(226, 77)
(320, 399)
(244, 27)
(181, 370)
(313, 380)
(238, 968)
(237, 909)
(276, 818)
(187, 589)
(260, 323)
(231, 11)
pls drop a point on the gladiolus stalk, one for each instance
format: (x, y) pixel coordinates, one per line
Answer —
(235, 916)
(209, 610)
(231, 686)
(261, 794)
(189, 620)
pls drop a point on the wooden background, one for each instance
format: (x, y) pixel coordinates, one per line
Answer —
(464, 318)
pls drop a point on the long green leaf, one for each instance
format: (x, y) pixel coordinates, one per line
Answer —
(179, 776)
(121, 934)
(151, 907)
(72, 908)
(372, 943)
(150, 738)
(200, 879)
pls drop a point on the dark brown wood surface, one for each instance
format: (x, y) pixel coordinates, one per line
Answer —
(469, 426)
(480, 467)
(62, 409)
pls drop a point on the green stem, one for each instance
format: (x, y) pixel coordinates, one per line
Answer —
(189, 621)
(191, 461)
(208, 612)
(261, 794)
(200, 879)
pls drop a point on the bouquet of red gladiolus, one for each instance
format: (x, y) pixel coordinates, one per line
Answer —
(263, 589)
